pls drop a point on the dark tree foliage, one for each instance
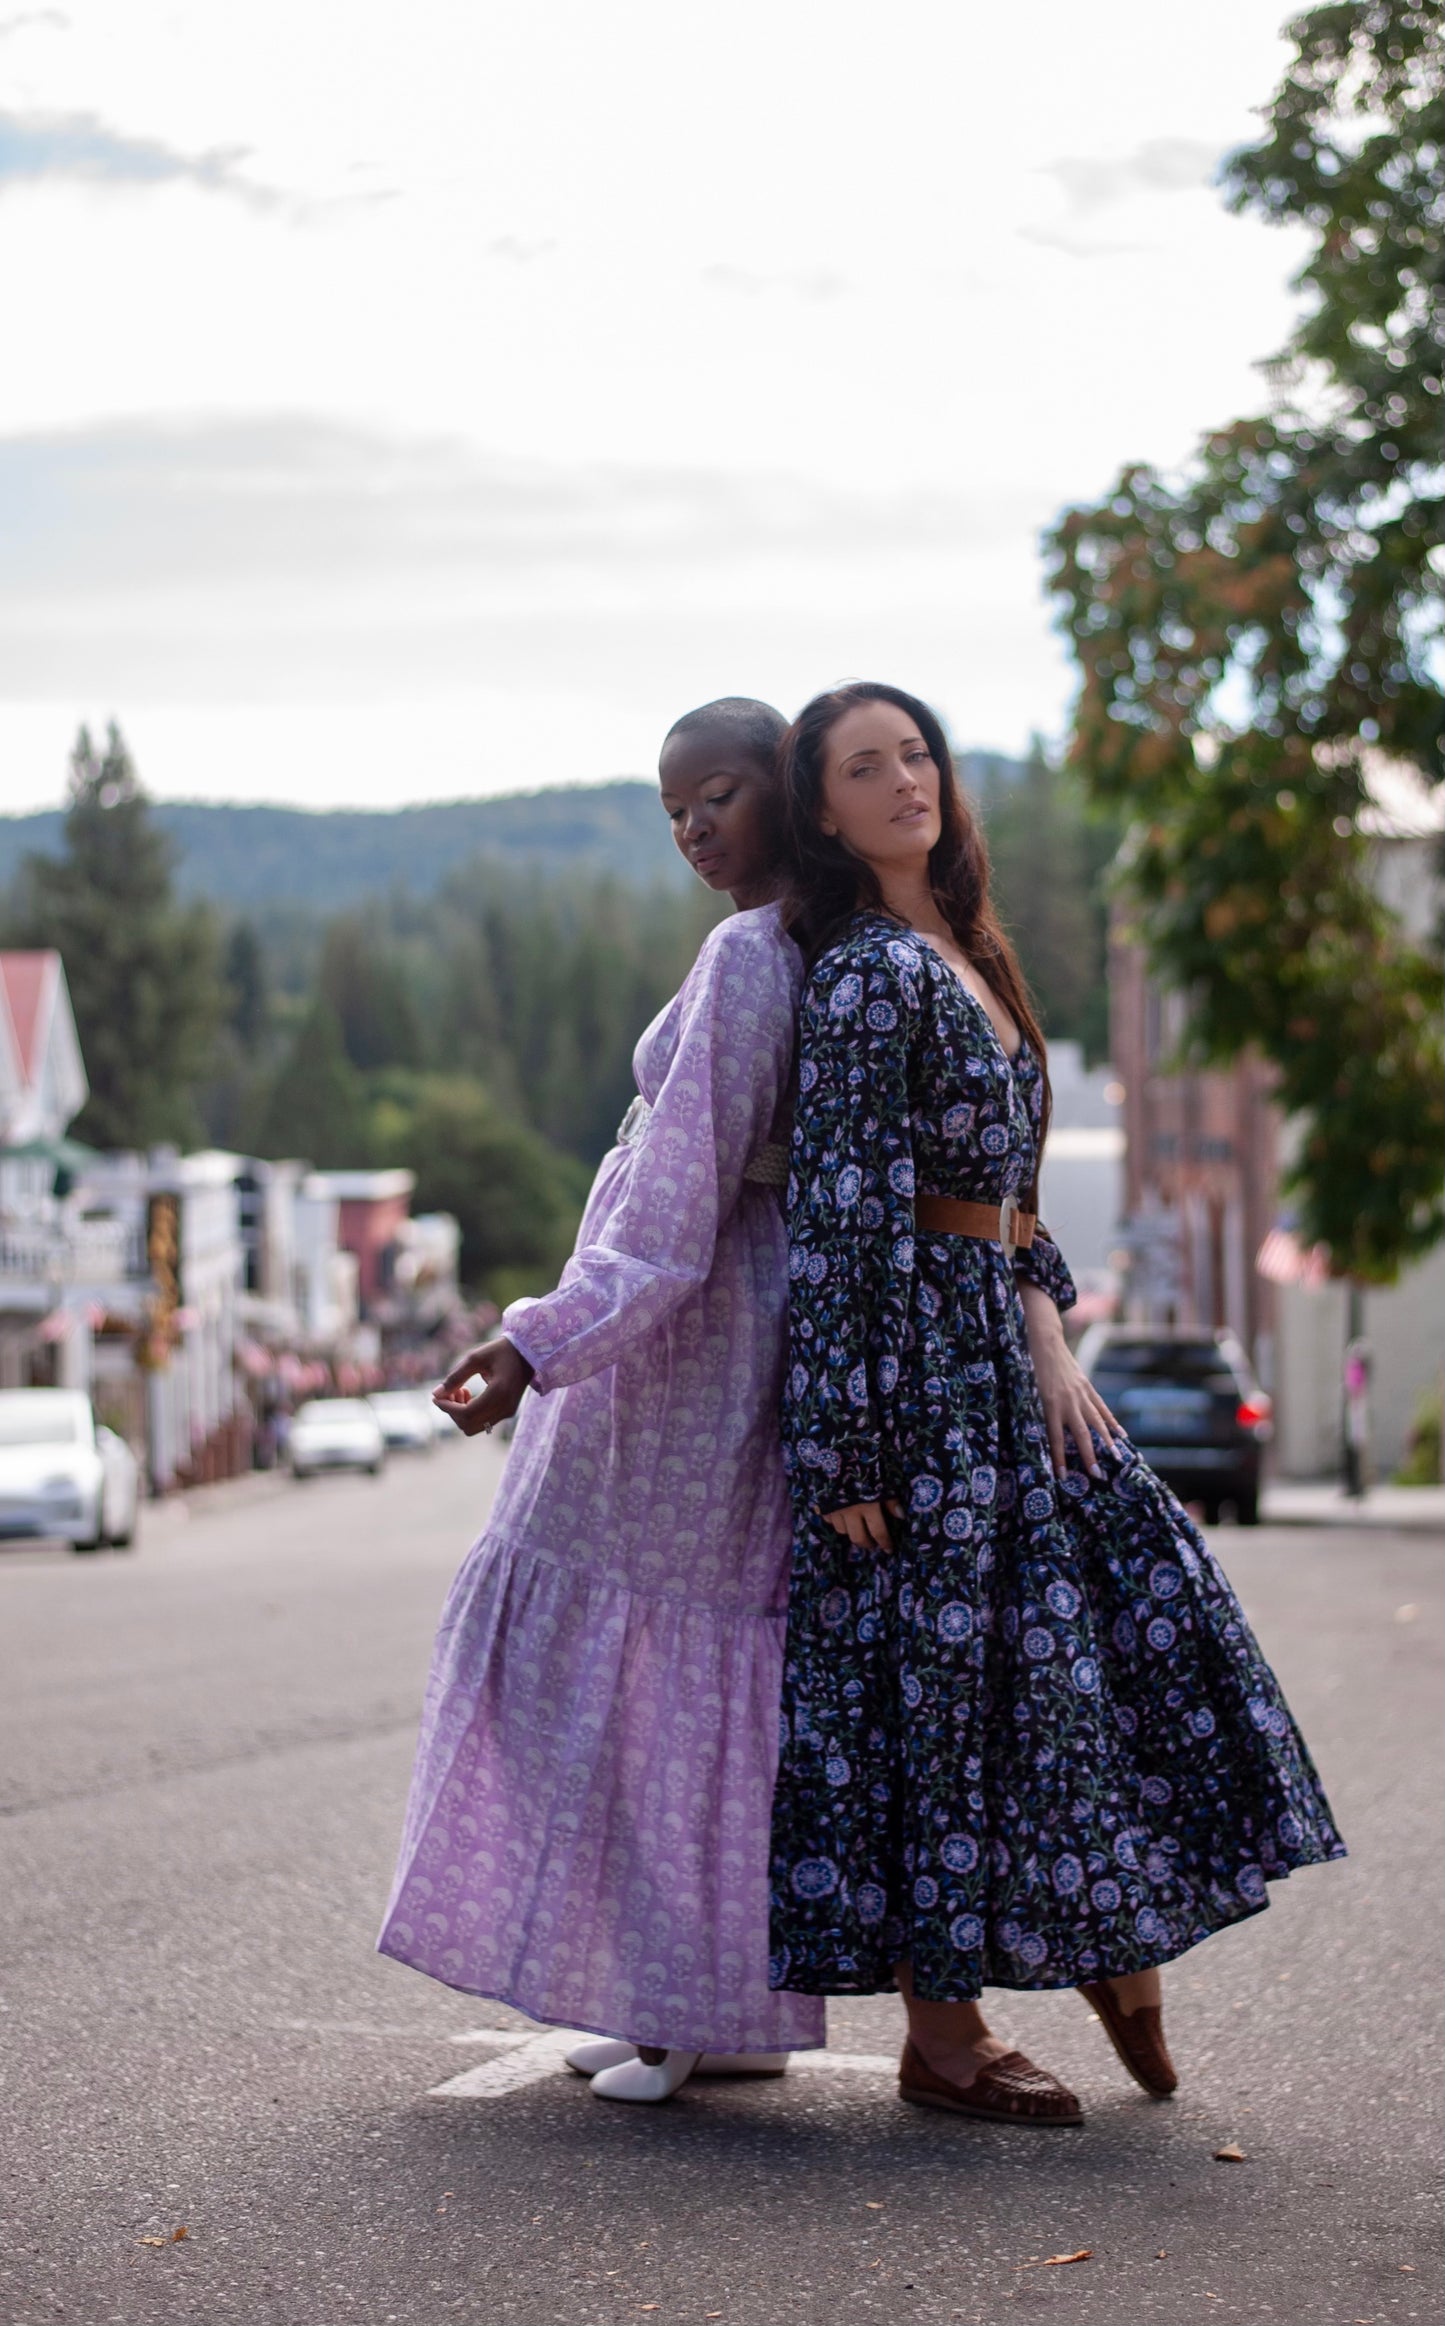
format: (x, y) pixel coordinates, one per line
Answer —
(141, 968)
(317, 1108)
(366, 986)
(246, 987)
(1250, 634)
(540, 987)
(516, 1199)
(1049, 855)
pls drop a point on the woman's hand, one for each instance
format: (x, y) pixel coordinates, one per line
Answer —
(865, 1525)
(506, 1373)
(1072, 1405)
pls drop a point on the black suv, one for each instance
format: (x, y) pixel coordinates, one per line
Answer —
(1189, 1400)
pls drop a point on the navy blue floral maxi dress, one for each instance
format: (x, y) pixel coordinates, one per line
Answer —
(1035, 1743)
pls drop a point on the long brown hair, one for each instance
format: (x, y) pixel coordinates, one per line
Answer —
(828, 885)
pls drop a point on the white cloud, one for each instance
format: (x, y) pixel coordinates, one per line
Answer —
(597, 360)
(35, 146)
(1161, 165)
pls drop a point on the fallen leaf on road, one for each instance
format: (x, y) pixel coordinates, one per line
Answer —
(1058, 2260)
(1162, 2254)
(152, 2241)
(1230, 2155)
(178, 2234)
(872, 2204)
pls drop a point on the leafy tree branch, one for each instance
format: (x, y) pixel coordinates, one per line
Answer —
(1253, 634)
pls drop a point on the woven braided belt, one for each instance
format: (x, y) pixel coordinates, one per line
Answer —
(997, 1223)
(767, 1168)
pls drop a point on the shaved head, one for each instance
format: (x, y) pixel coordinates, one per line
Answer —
(751, 726)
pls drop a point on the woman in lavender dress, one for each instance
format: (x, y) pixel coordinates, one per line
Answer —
(587, 1832)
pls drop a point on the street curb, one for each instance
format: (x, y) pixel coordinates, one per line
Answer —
(1388, 1510)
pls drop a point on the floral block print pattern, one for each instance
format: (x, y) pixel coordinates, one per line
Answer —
(1036, 1742)
(587, 1833)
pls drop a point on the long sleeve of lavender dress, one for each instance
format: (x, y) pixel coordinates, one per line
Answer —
(586, 1836)
(716, 1105)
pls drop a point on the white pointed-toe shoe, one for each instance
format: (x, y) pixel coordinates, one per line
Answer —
(597, 2053)
(634, 2079)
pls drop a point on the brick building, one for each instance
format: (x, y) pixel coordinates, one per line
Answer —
(1201, 1168)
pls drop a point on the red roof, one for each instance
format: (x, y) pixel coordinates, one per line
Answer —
(23, 977)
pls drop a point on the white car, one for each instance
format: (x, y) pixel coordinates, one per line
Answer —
(335, 1433)
(405, 1417)
(443, 1429)
(63, 1474)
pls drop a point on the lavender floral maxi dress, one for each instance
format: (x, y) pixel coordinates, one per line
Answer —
(1035, 1743)
(587, 1832)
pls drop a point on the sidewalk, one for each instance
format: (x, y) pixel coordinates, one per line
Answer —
(1319, 1502)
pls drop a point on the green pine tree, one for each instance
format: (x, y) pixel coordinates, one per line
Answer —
(247, 987)
(366, 985)
(316, 1109)
(141, 968)
(1048, 856)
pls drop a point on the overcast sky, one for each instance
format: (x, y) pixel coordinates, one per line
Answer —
(400, 402)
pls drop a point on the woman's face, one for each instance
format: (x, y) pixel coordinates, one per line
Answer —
(880, 788)
(719, 802)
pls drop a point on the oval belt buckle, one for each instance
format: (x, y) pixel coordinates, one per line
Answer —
(1008, 1213)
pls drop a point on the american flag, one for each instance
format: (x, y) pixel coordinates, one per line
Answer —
(1283, 1259)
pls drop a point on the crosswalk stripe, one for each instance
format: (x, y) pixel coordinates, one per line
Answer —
(526, 2063)
(530, 2059)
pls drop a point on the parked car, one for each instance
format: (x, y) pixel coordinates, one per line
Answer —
(335, 1433)
(63, 1473)
(405, 1417)
(1190, 1402)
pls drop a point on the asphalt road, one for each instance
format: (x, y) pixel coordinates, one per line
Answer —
(203, 1753)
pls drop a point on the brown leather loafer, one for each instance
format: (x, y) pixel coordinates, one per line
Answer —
(1138, 2038)
(1010, 2090)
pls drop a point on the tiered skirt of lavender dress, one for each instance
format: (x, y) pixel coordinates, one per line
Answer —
(587, 1832)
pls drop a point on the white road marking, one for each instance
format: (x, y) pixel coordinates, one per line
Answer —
(384, 2032)
(847, 2063)
(530, 2059)
(536, 2057)
(501, 2038)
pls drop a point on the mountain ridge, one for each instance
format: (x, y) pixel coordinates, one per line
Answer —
(247, 857)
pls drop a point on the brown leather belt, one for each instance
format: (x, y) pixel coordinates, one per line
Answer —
(998, 1223)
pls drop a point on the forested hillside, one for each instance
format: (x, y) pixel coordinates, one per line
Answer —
(383, 997)
(253, 857)
(248, 856)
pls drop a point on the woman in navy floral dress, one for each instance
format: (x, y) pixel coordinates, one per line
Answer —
(1028, 1738)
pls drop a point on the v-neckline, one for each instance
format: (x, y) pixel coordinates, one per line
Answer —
(1009, 1057)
